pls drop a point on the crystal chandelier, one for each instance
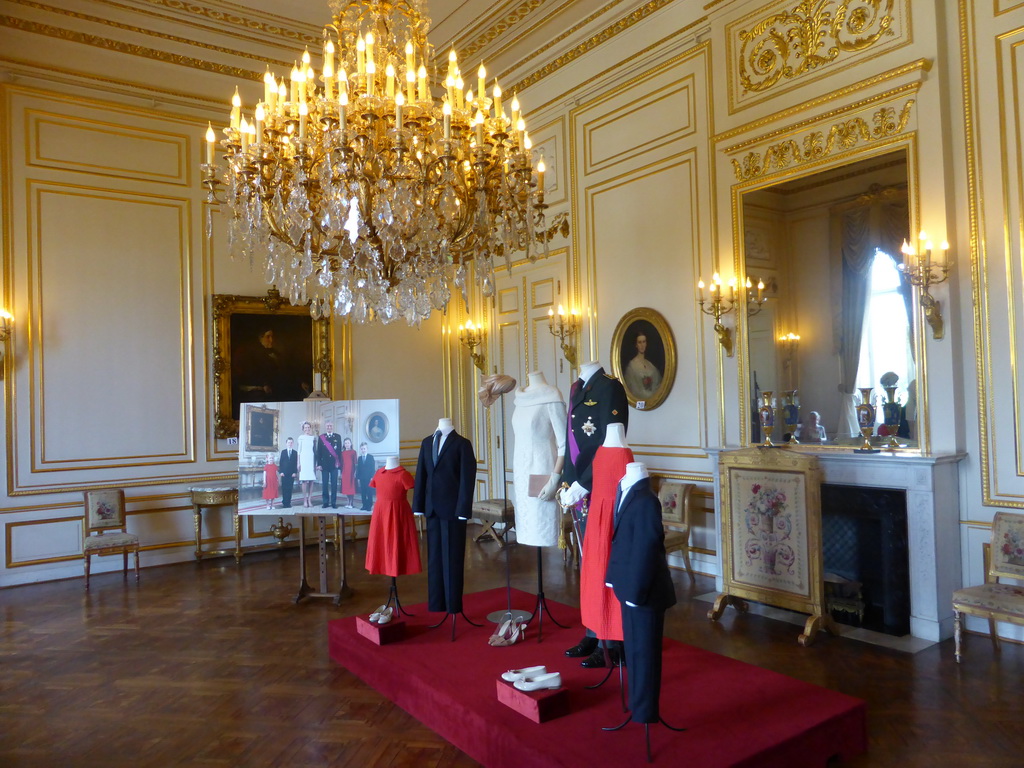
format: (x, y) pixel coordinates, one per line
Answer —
(360, 193)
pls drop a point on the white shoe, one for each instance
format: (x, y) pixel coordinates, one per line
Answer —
(385, 615)
(540, 682)
(518, 674)
(376, 614)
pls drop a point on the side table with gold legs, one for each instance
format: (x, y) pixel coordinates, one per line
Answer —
(214, 498)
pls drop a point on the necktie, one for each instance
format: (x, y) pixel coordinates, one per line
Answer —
(437, 445)
(618, 501)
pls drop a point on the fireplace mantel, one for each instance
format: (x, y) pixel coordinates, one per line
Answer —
(933, 519)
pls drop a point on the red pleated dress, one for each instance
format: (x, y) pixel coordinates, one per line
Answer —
(393, 548)
(271, 489)
(599, 608)
(348, 473)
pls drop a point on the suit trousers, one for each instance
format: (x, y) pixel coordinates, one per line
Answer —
(287, 482)
(642, 630)
(446, 560)
(329, 485)
(367, 494)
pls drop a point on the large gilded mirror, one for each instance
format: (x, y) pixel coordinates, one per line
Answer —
(840, 315)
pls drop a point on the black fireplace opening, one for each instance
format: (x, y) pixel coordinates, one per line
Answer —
(866, 557)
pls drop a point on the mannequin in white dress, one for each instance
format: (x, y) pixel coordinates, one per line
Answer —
(538, 424)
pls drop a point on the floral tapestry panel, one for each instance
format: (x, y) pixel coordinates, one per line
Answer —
(769, 530)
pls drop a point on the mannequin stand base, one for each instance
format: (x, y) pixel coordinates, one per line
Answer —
(647, 732)
(611, 668)
(454, 616)
(393, 599)
(539, 609)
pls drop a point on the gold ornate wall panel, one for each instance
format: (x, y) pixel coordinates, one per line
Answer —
(41, 542)
(784, 45)
(655, 120)
(993, 62)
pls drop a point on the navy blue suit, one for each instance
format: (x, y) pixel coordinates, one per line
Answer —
(444, 494)
(592, 407)
(330, 464)
(288, 466)
(638, 573)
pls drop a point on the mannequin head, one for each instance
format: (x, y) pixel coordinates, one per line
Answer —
(589, 369)
(536, 379)
(615, 436)
(635, 471)
(391, 462)
(445, 425)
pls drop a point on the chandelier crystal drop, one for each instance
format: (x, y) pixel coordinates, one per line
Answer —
(357, 191)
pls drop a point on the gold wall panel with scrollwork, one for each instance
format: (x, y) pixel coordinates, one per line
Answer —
(820, 143)
(771, 49)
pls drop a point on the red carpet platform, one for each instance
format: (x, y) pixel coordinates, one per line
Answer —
(735, 714)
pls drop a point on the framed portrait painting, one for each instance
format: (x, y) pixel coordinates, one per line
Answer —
(771, 534)
(643, 357)
(261, 428)
(376, 427)
(265, 350)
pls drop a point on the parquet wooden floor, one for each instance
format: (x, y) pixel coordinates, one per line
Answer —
(211, 664)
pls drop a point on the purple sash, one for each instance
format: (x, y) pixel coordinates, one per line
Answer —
(574, 448)
(337, 461)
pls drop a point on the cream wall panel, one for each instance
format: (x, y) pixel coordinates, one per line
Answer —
(45, 540)
(644, 234)
(635, 128)
(88, 146)
(102, 265)
(996, 101)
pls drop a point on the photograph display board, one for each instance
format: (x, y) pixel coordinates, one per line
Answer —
(269, 425)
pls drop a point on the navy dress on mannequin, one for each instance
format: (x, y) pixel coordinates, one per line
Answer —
(638, 572)
(444, 495)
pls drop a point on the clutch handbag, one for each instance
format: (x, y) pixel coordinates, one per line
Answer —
(537, 483)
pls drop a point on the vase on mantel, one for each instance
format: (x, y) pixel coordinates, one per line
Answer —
(791, 413)
(767, 414)
(892, 413)
(866, 420)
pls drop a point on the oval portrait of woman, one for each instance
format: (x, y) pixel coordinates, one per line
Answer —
(643, 357)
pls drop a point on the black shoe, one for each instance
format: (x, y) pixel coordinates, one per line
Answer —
(617, 654)
(594, 660)
(584, 647)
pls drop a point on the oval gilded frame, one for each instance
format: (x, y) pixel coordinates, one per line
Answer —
(660, 351)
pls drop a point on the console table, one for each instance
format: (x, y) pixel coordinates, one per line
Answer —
(216, 498)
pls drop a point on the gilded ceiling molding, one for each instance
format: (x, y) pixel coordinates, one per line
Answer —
(606, 34)
(813, 34)
(817, 145)
(128, 48)
(235, 19)
(150, 32)
(470, 49)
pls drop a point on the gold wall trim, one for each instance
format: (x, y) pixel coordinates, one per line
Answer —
(481, 37)
(141, 482)
(817, 145)
(236, 19)
(130, 49)
(149, 32)
(606, 34)
(920, 66)
(813, 36)
(1000, 9)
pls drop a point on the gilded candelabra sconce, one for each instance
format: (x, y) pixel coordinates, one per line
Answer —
(755, 297)
(565, 326)
(5, 334)
(717, 306)
(923, 268)
(472, 336)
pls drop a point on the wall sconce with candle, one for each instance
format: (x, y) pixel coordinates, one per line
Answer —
(472, 336)
(924, 270)
(755, 297)
(5, 334)
(717, 306)
(564, 326)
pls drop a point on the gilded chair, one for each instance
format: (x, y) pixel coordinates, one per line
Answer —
(1003, 558)
(104, 529)
(676, 509)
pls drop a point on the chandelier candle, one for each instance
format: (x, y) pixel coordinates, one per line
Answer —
(368, 199)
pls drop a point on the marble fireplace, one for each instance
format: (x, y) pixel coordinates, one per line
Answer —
(931, 486)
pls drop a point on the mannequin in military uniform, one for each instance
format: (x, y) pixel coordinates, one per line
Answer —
(596, 400)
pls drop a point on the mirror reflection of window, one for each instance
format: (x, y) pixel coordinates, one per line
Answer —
(886, 338)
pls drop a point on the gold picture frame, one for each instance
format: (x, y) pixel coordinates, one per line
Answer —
(647, 374)
(261, 428)
(246, 370)
(771, 534)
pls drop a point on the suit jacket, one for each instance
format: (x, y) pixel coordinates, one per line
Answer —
(288, 465)
(445, 490)
(637, 568)
(366, 467)
(321, 456)
(592, 407)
